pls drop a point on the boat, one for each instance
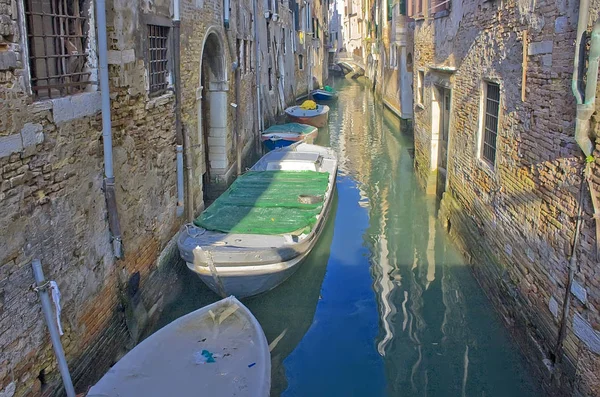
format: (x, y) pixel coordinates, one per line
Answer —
(316, 117)
(256, 234)
(323, 95)
(218, 350)
(336, 70)
(281, 135)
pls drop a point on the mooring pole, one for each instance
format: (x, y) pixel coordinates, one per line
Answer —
(41, 287)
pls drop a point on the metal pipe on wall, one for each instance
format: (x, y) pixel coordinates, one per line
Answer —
(109, 179)
(42, 288)
(584, 111)
(178, 128)
(257, 71)
(183, 142)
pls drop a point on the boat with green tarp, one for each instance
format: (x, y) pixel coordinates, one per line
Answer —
(255, 235)
(281, 135)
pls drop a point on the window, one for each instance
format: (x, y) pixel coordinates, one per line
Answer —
(490, 122)
(270, 79)
(247, 58)
(420, 87)
(393, 57)
(241, 55)
(57, 37)
(300, 62)
(268, 37)
(249, 54)
(439, 5)
(158, 71)
(284, 41)
(417, 8)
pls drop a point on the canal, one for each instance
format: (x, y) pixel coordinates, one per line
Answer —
(384, 305)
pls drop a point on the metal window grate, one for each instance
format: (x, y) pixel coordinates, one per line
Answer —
(57, 41)
(492, 108)
(158, 37)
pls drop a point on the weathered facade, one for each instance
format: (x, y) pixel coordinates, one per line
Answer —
(494, 126)
(378, 36)
(51, 159)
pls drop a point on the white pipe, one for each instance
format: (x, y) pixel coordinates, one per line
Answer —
(226, 13)
(257, 71)
(41, 287)
(103, 66)
(109, 180)
(581, 29)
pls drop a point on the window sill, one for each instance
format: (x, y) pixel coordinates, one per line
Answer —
(160, 100)
(486, 167)
(419, 106)
(441, 14)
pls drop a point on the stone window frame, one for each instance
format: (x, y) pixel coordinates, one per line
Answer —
(483, 163)
(91, 65)
(158, 20)
(420, 102)
(393, 56)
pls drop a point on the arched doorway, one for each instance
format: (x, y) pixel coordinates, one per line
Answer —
(212, 109)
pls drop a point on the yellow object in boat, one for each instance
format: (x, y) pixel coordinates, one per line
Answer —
(308, 105)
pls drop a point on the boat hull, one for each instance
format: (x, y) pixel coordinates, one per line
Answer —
(277, 140)
(318, 121)
(321, 95)
(220, 350)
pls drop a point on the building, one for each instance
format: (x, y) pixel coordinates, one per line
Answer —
(336, 39)
(377, 34)
(500, 139)
(101, 227)
(352, 28)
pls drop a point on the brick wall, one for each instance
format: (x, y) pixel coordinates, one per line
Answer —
(515, 221)
(51, 167)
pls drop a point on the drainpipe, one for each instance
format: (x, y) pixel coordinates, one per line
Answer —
(257, 67)
(585, 99)
(237, 75)
(178, 129)
(41, 287)
(109, 177)
(226, 14)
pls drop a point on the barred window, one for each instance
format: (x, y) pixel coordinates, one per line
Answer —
(158, 61)
(57, 38)
(490, 126)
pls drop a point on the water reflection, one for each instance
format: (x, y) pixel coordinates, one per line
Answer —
(438, 335)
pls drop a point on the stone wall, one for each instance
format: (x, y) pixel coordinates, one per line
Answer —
(51, 186)
(515, 220)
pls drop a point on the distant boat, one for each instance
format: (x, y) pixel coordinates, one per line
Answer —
(281, 135)
(336, 70)
(323, 95)
(315, 117)
(256, 234)
(219, 350)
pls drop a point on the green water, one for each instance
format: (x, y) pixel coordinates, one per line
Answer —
(384, 305)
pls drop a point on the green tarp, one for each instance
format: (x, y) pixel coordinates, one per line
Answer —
(291, 127)
(268, 202)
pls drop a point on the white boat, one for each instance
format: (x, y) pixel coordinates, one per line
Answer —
(219, 350)
(257, 233)
(316, 117)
